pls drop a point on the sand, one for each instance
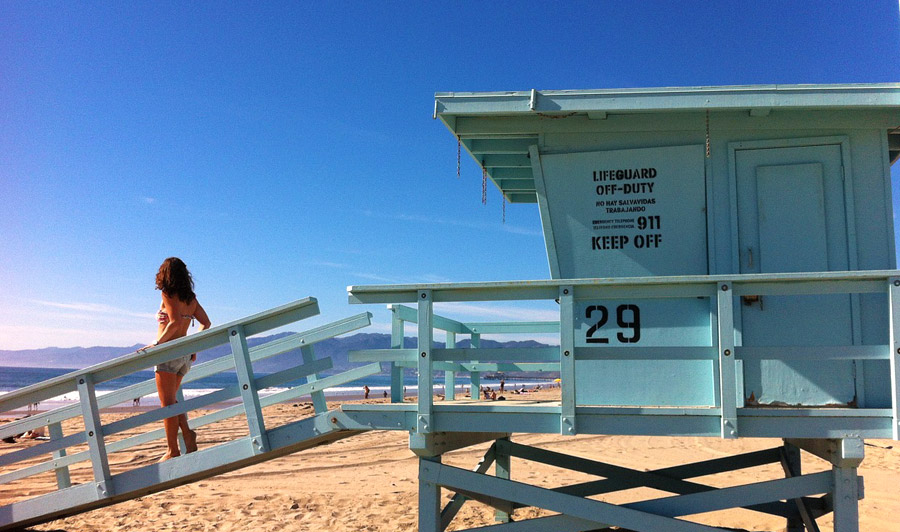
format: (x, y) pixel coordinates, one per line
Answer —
(368, 482)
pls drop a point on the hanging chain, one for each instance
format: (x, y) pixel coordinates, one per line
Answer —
(483, 185)
(504, 209)
(707, 133)
(458, 152)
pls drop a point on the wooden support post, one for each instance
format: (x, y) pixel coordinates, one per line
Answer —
(502, 470)
(567, 359)
(894, 339)
(318, 397)
(63, 480)
(475, 376)
(450, 376)
(396, 343)
(727, 375)
(93, 431)
(426, 371)
(429, 496)
(791, 463)
(846, 499)
(244, 369)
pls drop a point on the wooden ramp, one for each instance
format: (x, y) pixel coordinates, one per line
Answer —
(154, 478)
(94, 438)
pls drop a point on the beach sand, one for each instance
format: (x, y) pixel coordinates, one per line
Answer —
(369, 482)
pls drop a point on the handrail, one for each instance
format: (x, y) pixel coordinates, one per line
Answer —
(723, 351)
(95, 432)
(138, 360)
(869, 281)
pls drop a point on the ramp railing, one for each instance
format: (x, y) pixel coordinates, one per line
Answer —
(725, 294)
(466, 360)
(105, 437)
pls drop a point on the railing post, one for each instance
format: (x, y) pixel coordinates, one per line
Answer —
(179, 396)
(396, 343)
(318, 397)
(429, 495)
(727, 374)
(246, 381)
(475, 376)
(567, 359)
(63, 480)
(894, 308)
(450, 376)
(426, 373)
(93, 431)
(501, 470)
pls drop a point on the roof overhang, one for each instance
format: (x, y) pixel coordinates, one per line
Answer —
(503, 151)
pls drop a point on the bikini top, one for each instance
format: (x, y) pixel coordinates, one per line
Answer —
(163, 317)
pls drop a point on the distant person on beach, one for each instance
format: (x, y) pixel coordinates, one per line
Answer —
(176, 314)
(366, 389)
(502, 385)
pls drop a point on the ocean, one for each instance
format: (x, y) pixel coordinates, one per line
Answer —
(13, 378)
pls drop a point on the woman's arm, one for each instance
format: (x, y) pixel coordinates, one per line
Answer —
(201, 316)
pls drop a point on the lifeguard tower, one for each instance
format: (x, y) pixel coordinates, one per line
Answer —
(723, 263)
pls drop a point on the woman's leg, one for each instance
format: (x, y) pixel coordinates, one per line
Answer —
(167, 387)
(190, 437)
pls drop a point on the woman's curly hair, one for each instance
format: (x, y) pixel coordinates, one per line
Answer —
(174, 279)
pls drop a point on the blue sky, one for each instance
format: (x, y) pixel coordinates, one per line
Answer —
(289, 150)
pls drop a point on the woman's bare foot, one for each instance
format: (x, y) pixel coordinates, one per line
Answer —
(190, 441)
(169, 455)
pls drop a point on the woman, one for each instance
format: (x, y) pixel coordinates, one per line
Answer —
(176, 314)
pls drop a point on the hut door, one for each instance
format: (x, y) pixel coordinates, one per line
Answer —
(791, 218)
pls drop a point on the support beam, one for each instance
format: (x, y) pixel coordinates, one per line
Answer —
(567, 425)
(450, 375)
(93, 431)
(456, 502)
(318, 397)
(438, 443)
(396, 343)
(63, 480)
(426, 371)
(475, 376)
(244, 369)
(502, 470)
(791, 463)
(727, 375)
(429, 495)
(601, 514)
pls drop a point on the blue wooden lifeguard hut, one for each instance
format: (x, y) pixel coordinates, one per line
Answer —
(724, 266)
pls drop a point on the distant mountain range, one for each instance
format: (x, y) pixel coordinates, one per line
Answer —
(336, 348)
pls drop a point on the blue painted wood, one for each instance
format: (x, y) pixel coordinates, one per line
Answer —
(502, 470)
(602, 513)
(429, 496)
(894, 335)
(397, 334)
(727, 372)
(224, 363)
(93, 431)
(474, 376)
(318, 397)
(426, 371)
(137, 361)
(568, 383)
(458, 499)
(247, 383)
(63, 480)
(846, 498)
(450, 375)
